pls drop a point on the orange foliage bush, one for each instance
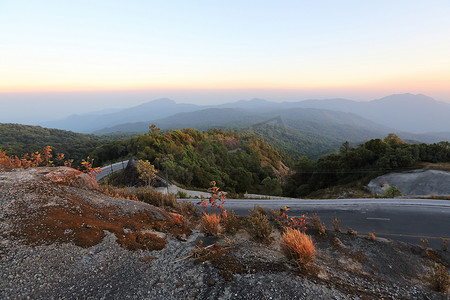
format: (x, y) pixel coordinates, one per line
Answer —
(7, 162)
(211, 224)
(27, 161)
(298, 246)
(38, 159)
(86, 167)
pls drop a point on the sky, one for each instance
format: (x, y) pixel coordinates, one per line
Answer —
(65, 57)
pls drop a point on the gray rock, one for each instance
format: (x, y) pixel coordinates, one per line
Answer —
(417, 182)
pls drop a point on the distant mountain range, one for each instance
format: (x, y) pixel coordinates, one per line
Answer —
(88, 123)
(307, 124)
(405, 112)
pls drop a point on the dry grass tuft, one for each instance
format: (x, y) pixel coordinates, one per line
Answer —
(337, 243)
(232, 224)
(350, 231)
(261, 209)
(439, 278)
(258, 227)
(318, 225)
(143, 194)
(210, 224)
(187, 208)
(359, 256)
(424, 243)
(444, 244)
(298, 245)
(372, 236)
(336, 224)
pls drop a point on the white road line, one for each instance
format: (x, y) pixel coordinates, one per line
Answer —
(382, 219)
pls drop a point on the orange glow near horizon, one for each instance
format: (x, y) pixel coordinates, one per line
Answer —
(345, 76)
(432, 86)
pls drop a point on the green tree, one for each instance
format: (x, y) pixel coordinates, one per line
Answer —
(391, 192)
(146, 171)
(271, 186)
(345, 147)
(393, 139)
(377, 146)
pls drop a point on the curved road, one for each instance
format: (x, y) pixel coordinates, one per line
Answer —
(108, 170)
(408, 220)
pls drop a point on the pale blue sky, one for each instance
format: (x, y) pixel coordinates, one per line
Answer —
(216, 51)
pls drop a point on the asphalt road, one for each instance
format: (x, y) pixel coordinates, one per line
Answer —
(407, 220)
(107, 170)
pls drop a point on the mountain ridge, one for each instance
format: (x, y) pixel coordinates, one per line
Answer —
(403, 112)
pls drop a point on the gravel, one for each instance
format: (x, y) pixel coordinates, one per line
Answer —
(107, 271)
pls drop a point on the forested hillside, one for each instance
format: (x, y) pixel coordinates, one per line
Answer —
(368, 160)
(297, 131)
(292, 144)
(18, 139)
(237, 162)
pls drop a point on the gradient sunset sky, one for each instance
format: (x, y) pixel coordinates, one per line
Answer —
(219, 51)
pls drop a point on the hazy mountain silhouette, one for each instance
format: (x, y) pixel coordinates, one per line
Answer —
(253, 105)
(404, 112)
(200, 119)
(307, 119)
(153, 110)
(330, 121)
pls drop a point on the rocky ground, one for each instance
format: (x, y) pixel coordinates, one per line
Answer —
(62, 239)
(418, 182)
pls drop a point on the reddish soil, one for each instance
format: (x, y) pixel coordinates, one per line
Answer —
(61, 214)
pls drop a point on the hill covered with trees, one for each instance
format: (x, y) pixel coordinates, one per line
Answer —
(238, 162)
(17, 139)
(352, 165)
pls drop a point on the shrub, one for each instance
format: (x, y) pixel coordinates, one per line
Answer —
(350, 231)
(391, 192)
(216, 200)
(260, 209)
(439, 278)
(210, 224)
(38, 159)
(359, 256)
(259, 227)
(444, 244)
(336, 224)
(298, 246)
(275, 216)
(187, 208)
(231, 223)
(337, 243)
(143, 194)
(182, 195)
(318, 225)
(424, 243)
(372, 236)
(292, 222)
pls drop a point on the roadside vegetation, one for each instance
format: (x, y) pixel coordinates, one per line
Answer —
(331, 257)
(353, 167)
